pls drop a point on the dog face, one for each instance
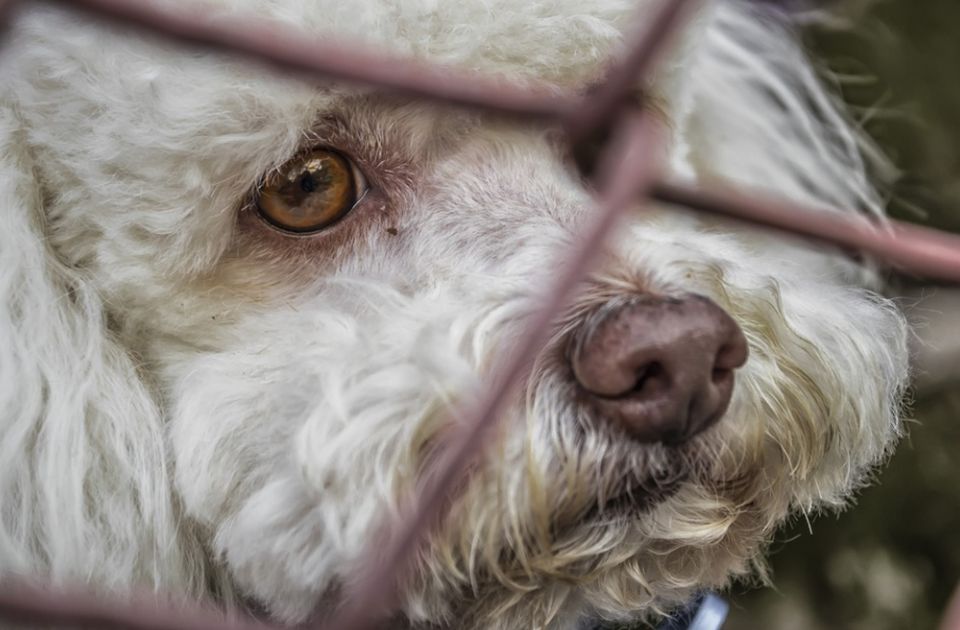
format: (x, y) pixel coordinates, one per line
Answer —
(244, 309)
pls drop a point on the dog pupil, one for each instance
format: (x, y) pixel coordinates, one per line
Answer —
(307, 183)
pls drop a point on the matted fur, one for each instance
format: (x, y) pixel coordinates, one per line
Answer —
(193, 402)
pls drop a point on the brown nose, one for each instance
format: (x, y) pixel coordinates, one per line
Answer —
(662, 367)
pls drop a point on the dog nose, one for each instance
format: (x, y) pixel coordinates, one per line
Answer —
(661, 367)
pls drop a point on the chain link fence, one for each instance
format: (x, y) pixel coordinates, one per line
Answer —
(628, 171)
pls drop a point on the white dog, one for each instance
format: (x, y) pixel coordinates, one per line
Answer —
(237, 310)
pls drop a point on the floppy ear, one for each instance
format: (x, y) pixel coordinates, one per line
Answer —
(84, 492)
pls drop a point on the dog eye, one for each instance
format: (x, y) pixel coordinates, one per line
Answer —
(311, 192)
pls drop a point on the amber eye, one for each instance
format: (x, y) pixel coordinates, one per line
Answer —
(311, 192)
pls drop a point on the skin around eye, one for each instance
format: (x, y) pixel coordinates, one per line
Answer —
(310, 192)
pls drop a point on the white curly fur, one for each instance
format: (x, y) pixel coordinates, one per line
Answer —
(195, 403)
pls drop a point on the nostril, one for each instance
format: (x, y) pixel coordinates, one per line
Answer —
(651, 379)
(720, 375)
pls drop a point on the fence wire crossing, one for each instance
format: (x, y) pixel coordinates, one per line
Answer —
(628, 171)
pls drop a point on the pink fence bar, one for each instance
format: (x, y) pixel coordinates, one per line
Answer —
(27, 602)
(628, 169)
(951, 620)
(910, 248)
(633, 171)
(295, 51)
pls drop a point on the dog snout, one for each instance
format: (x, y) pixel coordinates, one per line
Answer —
(660, 367)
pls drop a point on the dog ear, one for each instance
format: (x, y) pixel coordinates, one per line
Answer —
(84, 490)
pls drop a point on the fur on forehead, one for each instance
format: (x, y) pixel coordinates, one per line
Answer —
(563, 42)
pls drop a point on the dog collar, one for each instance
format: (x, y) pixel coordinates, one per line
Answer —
(705, 612)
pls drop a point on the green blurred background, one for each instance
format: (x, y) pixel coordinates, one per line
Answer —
(893, 560)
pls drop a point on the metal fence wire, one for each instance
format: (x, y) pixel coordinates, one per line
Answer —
(628, 170)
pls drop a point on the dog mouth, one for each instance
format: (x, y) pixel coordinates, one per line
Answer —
(636, 496)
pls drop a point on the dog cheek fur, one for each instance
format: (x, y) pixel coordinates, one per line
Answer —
(291, 463)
